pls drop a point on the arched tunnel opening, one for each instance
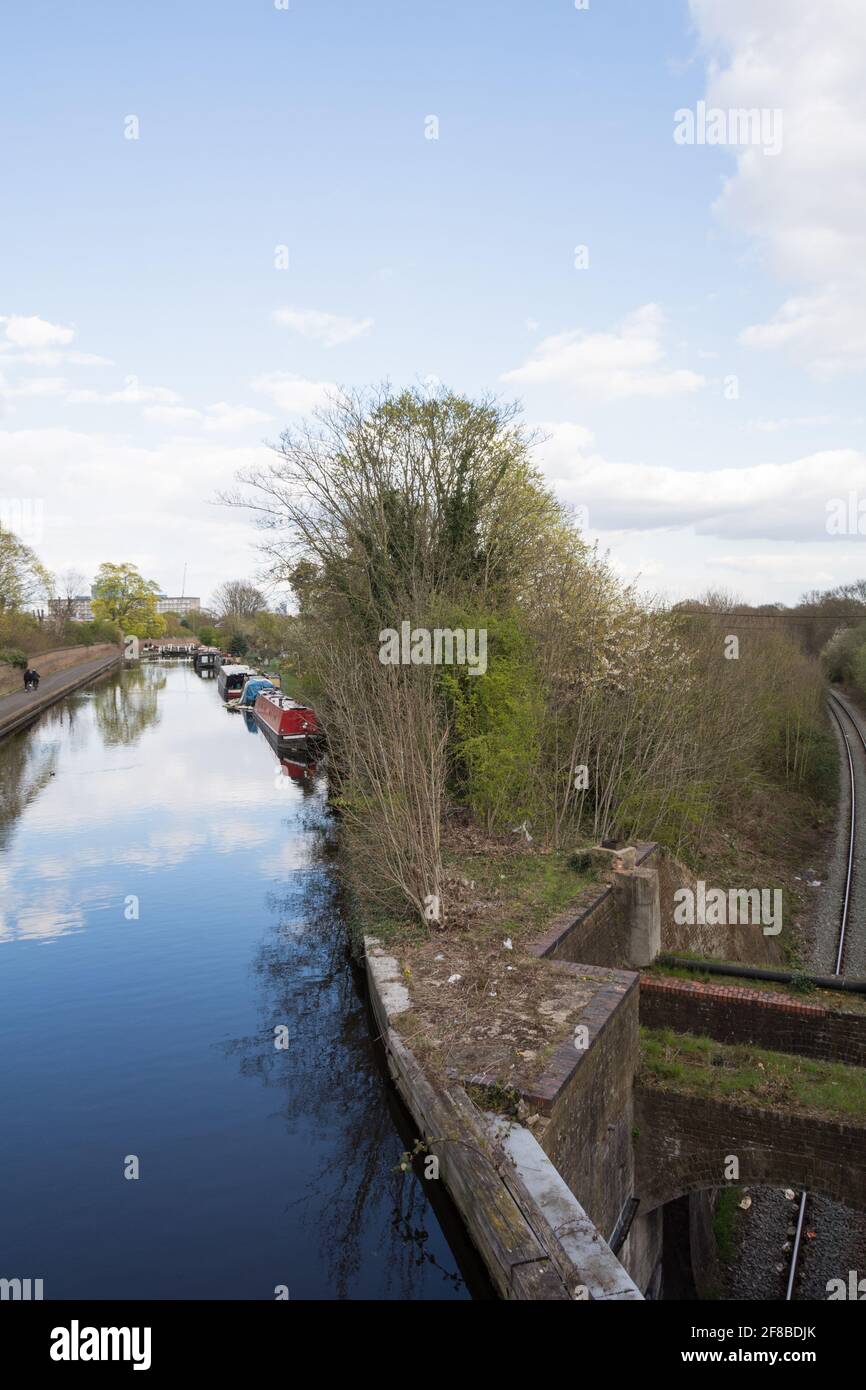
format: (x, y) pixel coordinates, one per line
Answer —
(739, 1243)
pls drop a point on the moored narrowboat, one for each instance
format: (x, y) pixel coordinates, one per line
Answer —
(253, 685)
(231, 681)
(285, 722)
(207, 659)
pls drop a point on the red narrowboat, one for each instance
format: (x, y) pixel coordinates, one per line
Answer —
(285, 722)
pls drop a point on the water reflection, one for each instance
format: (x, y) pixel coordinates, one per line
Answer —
(263, 1166)
(124, 710)
(301, 768)
(25, 768)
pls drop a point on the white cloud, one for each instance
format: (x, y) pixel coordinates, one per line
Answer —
(33, 386)
(173, 414)
(804, 206)
(783, 501)
(29, 331)
(609, 366)
(108, 499)
(780, 567)
(826, 331)
(226, 418)
(565, 439)
(218, 419)
(329, 329)
(52, 357)
(131, 393)
(795, 422)
(294, 394)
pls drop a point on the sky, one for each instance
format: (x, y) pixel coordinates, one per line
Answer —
(214, 211)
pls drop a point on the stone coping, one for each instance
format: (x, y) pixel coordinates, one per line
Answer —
(532, 1233)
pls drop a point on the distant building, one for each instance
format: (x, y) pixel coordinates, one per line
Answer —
(181, 606)
(81, 610)
(78, 608)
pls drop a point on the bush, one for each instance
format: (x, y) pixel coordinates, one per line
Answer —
(22, 632)
(12, 656)
(496, 721)
(89, 634)
(843, 656)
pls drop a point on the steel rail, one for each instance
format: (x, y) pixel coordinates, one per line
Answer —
(843, 927)
(840, 950)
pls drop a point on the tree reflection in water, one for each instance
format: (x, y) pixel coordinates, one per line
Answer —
(25, 768)
(331, 1071)
(125, 708)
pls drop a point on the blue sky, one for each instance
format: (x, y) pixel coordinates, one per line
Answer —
(699, 382)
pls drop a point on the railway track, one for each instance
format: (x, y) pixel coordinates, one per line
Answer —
(835, 705)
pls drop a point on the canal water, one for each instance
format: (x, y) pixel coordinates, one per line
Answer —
(166, 906)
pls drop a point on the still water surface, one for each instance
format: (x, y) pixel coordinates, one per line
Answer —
(153, 1035)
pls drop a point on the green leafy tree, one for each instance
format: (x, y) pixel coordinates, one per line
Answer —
(495, 722)
(23, 578)
(121, 595)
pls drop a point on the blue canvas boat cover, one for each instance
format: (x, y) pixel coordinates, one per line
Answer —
(252, 688)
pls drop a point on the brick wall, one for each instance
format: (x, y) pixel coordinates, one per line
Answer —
(730, 1014)
(588, 1098)
(591, 930)
(588, 932)
(48, 663)
(684, 1141)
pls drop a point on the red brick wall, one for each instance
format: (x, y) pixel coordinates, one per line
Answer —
(730, 1014)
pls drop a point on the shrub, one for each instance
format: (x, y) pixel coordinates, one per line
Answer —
(12, 656)
(89, 634)
(842, 657)
(495, 720)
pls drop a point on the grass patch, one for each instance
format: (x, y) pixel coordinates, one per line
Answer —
(493, 886)
(504, 1100)
(773, 1080)
(529, 886)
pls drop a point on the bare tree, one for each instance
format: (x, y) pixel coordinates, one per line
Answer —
(389, 738)
(69, 585)
(238, 598)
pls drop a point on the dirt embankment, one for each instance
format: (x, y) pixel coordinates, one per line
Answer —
(731, 942)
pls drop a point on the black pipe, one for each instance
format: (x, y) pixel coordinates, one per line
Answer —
(756, 972)
(623, 1225)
